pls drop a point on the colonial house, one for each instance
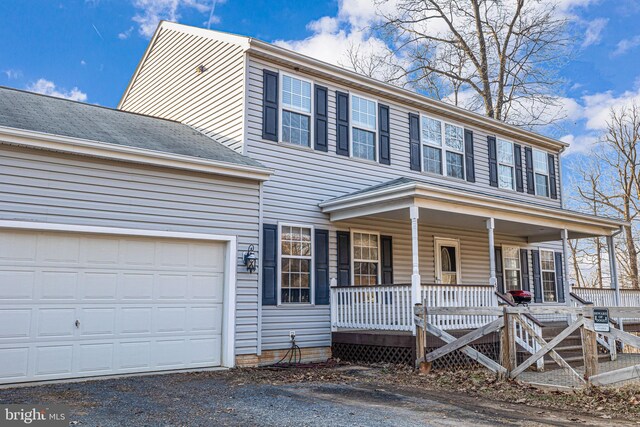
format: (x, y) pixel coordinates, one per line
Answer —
(358, 198)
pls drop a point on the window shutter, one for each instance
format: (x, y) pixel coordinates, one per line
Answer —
(468, 156)
(414, 142)
(524, 269)
(553, 190)
(342, 123)
(270, 105)
(344, 258)
(493, 161)
(387, 259)
(269, 264)
(320, 119)
(559, 276)
(528, 159)
(499, 278)
(321, 266)
(537, 280)
(517, 154)
(384, 134)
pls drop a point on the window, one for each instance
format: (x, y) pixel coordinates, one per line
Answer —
(296, 111)
(447, 261)
(511, 265)
(366, 258)
(506, 160)
(541, 170)
(442, 147)
(548, 270)
(363, 122)
(295, 264)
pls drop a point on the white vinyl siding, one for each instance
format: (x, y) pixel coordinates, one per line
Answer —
(506, 162)
(363, 127)
(541, 171)
(442, 147)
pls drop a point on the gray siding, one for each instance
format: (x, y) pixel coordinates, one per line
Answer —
(168, 85)
(48, 187)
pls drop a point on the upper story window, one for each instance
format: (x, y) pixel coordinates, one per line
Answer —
(363, 127)
(295, 264)
(296, 111)
(366, 258)
(541, 171)
(442, 147)
(506, 160)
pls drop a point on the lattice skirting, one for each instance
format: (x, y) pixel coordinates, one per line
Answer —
(459, 360)
(373, 353)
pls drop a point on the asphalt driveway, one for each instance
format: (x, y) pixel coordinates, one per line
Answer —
(219, 398)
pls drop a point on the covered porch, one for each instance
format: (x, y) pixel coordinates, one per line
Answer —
(454, 254)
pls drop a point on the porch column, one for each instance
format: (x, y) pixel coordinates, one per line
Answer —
(613, 267)
(492, 253)
(415, 276)
(565, 265)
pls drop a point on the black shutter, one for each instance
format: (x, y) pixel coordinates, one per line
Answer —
(493, 161)
(344, 258)
(559, 276)
(387, 259)
(499, 278)
(321, 116)
(517, 154)
(342, 123)
(468, 156)
(269, 264)
(384, 138)
(414, 142)
(269, 105)
(528, 160)
(524, 269)
(553, 190)
(537, 280)
(321, 263)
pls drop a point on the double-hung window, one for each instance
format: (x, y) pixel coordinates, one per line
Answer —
(442, 147)
(363, 127)
(548, 270)
(506, 160)
(295, 264)
(541, 171)
(511, 264)
(366, 258)
(296, 111)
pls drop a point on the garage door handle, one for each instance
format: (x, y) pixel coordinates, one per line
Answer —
(77, 323)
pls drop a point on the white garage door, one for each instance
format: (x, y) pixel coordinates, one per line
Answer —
(76, 305)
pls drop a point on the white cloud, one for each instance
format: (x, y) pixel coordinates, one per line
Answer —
(626, 45)
(125, 34)
(83, 62)
(151, 12)
(47, 87)
(12, 74)
(593, 34)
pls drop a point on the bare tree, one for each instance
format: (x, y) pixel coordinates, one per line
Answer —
(487, 55)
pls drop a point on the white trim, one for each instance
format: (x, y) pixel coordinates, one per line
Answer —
(446, 241)
(555, 279)
(312, 296)
(66, 144)
(352, 243)
(547, 175)
(362, 128)
(504, 265)
(229, 301)
(512, 165)
(443, 146)
(281, 107)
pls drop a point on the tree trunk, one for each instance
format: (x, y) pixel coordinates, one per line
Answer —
(633, 257)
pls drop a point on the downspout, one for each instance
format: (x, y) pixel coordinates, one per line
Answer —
(260, 249)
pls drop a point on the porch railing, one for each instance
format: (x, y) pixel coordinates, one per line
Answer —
(606, 297)
(389, 307)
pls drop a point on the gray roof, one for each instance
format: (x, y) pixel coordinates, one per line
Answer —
(47, 114)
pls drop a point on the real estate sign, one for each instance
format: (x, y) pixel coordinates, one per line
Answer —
(601, 319)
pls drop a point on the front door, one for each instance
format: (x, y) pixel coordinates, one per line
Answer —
(447, 261)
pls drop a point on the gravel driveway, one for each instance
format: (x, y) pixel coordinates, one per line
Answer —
(219, 398)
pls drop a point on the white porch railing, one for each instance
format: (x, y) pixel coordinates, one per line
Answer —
(606, 297)
(459, 296)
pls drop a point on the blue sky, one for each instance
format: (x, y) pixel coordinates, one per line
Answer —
(88, 49)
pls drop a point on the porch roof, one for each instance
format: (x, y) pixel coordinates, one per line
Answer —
(453, 207)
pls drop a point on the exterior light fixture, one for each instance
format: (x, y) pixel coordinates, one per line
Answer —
(250, 259)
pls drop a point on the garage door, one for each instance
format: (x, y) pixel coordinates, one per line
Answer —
(77, 305)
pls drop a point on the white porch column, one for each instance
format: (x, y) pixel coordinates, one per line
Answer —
(492, 253)
(415, 276)
(565, 265)
(613, 270)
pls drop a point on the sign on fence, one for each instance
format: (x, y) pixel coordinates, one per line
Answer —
(601, 319)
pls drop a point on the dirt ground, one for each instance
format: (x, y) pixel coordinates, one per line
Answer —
(330, 394)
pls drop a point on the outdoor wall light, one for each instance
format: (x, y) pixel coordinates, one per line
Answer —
(250, 259)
